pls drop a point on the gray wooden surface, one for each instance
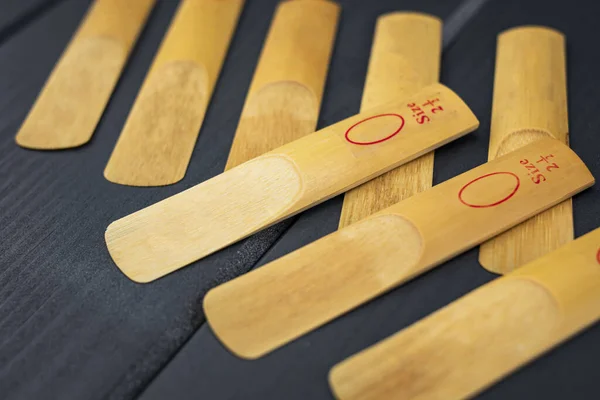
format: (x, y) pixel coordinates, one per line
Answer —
(72, 326)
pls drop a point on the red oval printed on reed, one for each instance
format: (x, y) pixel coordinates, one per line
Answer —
(375, 129)
(489, 190)
(598, 256)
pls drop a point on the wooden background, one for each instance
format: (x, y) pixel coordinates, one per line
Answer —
(72, 326)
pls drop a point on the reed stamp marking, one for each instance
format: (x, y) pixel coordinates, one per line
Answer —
(376, 139)
(517, 184)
